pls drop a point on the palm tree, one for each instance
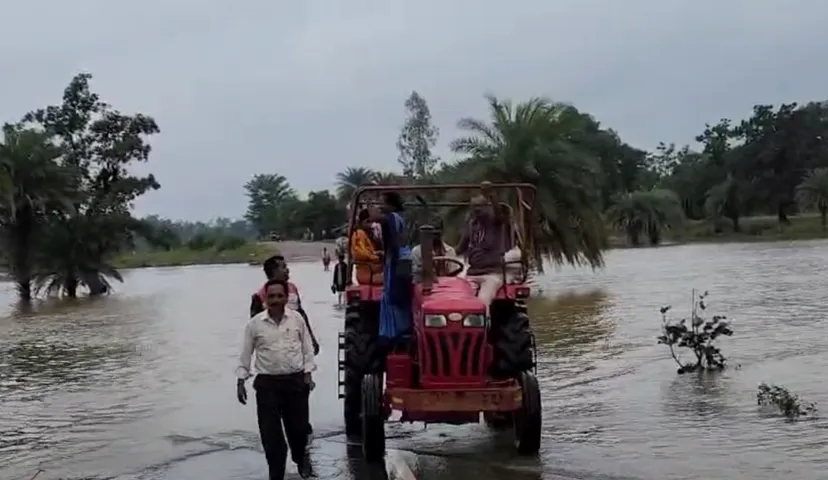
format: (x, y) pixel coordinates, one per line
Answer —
(648, 212)
(725, 200)
(813, 193)
(534, 142)
(33, 185)
(77, 251)
(351, 179)
(387, 178)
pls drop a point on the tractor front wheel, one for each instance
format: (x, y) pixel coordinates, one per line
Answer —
(528, 419)
(373, 418)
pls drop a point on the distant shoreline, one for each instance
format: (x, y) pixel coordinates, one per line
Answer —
(754, 229)
(252, 253)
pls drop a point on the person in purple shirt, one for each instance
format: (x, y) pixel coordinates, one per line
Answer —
(484, 244)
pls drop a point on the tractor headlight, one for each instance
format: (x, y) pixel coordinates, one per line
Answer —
(474, 321)
(435, 321)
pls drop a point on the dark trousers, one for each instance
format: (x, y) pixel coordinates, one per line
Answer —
(282, 400)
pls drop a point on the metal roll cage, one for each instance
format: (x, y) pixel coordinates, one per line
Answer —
(524, 193)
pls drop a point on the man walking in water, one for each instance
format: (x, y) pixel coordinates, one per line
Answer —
(282, 345)
(275, 267)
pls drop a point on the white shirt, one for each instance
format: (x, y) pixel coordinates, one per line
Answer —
(417, 258)
(280, 348)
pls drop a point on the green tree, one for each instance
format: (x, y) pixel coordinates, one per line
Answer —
(352, 178)
(726, 199)
(780, 146)
(417, 139)
(32, 186)
(645, 213)
(99, 146)
(322, 213)
(531, 142)
(387, 178)
(266, 193)
(813, 193)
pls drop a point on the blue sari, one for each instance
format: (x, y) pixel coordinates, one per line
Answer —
(395, 305)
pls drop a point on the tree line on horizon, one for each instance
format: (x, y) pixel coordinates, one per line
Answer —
(590, 182)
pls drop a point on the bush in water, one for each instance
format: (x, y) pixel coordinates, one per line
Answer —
(698, 334)
(788, 403)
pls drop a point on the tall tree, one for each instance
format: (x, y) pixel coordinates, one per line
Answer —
(352, 178)
(417, 138)
(531, 142)
(813, 193)
(99, 147)
(265, 194)
(32, 186)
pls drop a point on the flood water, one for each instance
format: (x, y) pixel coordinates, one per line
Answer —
(140, 386)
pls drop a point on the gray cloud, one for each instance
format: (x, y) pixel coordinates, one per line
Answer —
(307, 88)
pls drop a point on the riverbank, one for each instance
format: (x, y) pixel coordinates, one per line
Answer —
(753, 229)
(253, 253)
(805, 226)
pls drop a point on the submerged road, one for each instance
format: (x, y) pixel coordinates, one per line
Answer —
(139, 386)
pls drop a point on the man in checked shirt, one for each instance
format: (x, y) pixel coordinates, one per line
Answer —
(282, 345)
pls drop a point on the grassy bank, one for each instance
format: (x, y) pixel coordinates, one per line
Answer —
(252, 252)
(805, 226)
(754, 229)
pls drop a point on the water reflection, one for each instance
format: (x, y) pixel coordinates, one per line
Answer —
(569, 321)
(33, 364)
(361, 470)
(700, 395)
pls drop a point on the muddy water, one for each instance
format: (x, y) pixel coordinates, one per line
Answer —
(140, 385)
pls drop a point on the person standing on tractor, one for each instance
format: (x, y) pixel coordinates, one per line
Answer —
(482, 243)
(281, 342)
(326, 259)
(364, 252)
(395, 305)
(340, 279)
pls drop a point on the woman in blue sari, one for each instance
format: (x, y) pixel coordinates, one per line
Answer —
(395, 305)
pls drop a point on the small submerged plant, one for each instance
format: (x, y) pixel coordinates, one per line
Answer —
(789, 404)
(696, 334)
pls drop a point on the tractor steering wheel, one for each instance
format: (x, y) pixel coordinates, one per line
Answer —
(458, 264)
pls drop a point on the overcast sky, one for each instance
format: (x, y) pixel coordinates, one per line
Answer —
(307, 88)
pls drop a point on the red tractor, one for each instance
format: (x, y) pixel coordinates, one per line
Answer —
(459, 362)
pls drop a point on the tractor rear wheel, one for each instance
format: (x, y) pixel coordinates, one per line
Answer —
(528, 420)
(373, 418)
(513, 345)
(359, 359)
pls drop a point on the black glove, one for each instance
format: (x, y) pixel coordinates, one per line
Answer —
(333, 289)
(241, 392)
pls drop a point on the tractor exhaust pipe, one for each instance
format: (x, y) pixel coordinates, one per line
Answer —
(427, 233)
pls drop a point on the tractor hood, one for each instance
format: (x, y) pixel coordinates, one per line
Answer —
(452, 294)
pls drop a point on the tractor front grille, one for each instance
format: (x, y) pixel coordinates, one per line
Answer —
(453, 354)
